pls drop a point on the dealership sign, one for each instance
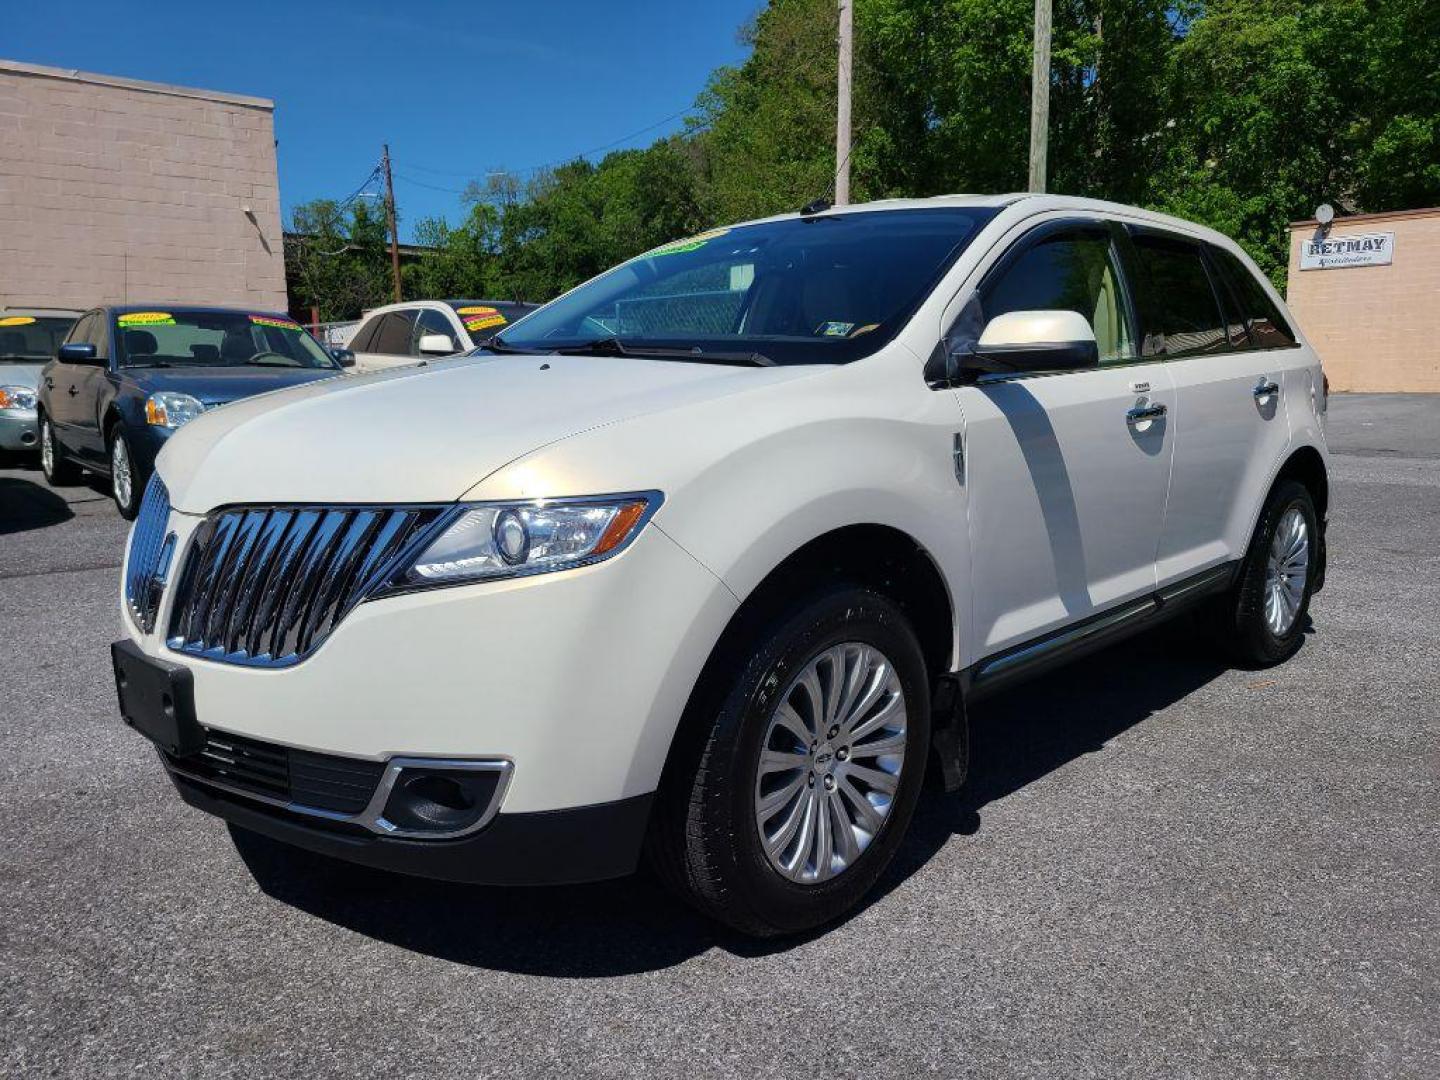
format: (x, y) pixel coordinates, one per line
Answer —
(1337, 252)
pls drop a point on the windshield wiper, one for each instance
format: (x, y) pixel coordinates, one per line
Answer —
(494, 344)
(157, 363)
(613, 346)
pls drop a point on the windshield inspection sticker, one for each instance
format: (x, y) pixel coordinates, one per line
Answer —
(146, 318)
(270, 320)
(694, 243)
(836, 329)
(17, 320)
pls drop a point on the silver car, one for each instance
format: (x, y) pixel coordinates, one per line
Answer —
(29, 337)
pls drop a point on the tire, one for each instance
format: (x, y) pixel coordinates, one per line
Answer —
(706, 836)
(127, 482)
(1262, 621)
(58, 471)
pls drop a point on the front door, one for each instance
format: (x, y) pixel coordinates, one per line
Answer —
(1067, 474)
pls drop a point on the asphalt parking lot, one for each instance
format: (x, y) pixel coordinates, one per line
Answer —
(1161, 867)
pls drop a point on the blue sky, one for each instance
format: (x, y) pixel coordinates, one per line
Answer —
(457, 89)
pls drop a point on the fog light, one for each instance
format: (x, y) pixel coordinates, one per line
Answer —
(440, 800)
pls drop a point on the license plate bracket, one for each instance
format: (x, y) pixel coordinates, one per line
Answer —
(157, 699)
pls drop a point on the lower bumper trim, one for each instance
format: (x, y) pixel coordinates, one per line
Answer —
(556, 847)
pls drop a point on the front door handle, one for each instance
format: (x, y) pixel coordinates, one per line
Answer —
(1265, 388)
(72, 391)
(1141, 414)
(49, 383)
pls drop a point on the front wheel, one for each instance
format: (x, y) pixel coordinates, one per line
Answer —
(1263, 619)
(808, 775)
(126, 483)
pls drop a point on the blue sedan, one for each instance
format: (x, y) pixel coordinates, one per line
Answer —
(127, 377)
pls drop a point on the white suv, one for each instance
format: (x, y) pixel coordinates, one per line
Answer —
(706, 558)
(401, 334)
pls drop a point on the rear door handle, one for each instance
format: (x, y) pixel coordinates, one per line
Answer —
(1265, 388)
(1141, 413)
(72, 391)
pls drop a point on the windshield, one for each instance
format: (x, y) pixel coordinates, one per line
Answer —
(824, 289)
(31, 338)
(215, 339)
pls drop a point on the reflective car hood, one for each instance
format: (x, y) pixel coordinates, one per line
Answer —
(20, 373)
(424, 433)
(219, 385)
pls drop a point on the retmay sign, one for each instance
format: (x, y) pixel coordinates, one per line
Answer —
(1339, 252)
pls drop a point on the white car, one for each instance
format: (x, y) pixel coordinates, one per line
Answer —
(706, 558)
(400, 334)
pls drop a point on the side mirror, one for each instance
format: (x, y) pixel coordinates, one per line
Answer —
(437, 345)
(80, 352)
(1021, 342)
(343, 357)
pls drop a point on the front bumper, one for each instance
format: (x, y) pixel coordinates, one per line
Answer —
(589, 843)
(19, 430)
(578, 678)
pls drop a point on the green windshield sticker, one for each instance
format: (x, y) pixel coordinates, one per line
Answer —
(146, 318)
(270, 320)
(836, 329)
(694, 243)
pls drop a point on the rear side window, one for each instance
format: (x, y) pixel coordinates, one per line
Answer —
(1068, 271)
(1268, 328)
(361, 341)
(1179, 302)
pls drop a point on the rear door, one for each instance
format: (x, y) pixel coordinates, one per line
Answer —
(1066, 473)
(1231, 423)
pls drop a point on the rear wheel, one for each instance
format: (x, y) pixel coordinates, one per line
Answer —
(808, 775)
(126, 483)
(58, 472)
(1263, 619)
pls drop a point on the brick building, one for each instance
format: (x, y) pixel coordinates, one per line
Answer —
(1367, 294)
(114, 190)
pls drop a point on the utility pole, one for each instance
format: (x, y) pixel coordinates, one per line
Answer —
(842, 110)
(1040, 97)
(390, 219)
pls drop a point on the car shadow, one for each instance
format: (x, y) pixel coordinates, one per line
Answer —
(25, 505)
(634, 925)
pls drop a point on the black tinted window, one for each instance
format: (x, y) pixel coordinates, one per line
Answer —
(361, 341)
(1180, 303)
(430, 321)
(1268, 327)
(393, 335)
(1067, 271)
(31, 337)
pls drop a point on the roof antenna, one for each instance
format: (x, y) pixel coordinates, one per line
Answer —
(826, 201)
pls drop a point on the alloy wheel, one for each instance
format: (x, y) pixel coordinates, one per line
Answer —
(830, 763)
(1286, 571)
(121, 477)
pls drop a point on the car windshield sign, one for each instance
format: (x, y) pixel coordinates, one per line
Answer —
(825, 289)
(199, 338)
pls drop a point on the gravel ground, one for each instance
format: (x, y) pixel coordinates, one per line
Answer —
(1162, 867)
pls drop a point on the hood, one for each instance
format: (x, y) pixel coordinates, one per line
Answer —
(20, 373)
(423, 434)
(220, 385)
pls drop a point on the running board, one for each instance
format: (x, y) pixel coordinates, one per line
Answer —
(1071, 642)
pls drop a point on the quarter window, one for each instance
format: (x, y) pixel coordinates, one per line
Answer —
(1268, 327)
(1180, 303)
(1068, 271)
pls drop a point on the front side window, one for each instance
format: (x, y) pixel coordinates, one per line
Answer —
(200, 338)
(394, 336)
(1179, 302)
(31, 338)
(1268, 327)
(828, 288)
(360, 342)
(430, 321)
(1067, 271)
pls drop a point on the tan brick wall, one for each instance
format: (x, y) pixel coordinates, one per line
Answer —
(114, 191)
(1376, 327)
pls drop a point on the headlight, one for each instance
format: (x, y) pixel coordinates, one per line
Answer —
(169, 410)
(18, 397)
(499, 540)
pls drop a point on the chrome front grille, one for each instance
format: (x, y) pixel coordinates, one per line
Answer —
(150, 550)
(265, 585)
